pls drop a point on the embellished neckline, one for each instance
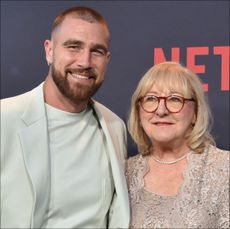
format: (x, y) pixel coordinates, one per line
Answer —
(169, 162)
(146, 168)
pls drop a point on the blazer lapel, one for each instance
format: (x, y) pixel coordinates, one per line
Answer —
(117, 167)
(34, 141)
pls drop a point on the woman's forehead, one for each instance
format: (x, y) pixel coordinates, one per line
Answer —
(169, 86)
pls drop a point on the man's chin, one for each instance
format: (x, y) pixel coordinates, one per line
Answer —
(80, 95)
(85, 91)
(75, 91)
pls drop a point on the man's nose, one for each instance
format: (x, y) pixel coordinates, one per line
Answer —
(84, 59)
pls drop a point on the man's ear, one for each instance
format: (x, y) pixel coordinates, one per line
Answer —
(48, 45)
(108, 56)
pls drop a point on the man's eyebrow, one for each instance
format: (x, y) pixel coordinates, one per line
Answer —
(77, 42)
(72, 42)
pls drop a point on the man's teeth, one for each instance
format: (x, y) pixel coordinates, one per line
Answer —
(79, 76)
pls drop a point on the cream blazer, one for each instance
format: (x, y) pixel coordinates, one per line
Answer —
(25, 161)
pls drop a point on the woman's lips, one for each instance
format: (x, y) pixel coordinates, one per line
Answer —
(162, 123)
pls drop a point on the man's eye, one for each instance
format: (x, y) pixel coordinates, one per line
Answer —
(99, 52)
(74, 47)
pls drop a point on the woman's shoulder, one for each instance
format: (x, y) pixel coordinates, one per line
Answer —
(218, 155)
(135, 163)
(136, 166)
(218, 159)
(132, 160)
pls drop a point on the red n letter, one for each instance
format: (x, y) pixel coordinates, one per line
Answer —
(159, 55)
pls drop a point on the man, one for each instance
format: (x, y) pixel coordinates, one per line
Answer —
(62, 153)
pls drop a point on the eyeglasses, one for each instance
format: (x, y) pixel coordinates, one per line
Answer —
(173, 103)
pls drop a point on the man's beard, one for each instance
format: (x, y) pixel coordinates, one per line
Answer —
(75, 92)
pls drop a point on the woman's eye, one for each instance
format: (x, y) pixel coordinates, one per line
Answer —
(175, 99)
(150, 99)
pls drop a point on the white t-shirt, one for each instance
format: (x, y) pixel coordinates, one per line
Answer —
(81, 178)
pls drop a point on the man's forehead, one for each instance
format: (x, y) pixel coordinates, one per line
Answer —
(74, 27)
(74, 21)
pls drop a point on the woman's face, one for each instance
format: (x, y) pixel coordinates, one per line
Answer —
(164, 127)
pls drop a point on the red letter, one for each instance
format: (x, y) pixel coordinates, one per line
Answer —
(159, 55)
(224, 52)
(191, 53)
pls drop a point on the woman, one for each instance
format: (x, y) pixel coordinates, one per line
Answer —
(179, 179)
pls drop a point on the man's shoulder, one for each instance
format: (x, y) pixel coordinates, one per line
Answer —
(12, 109)
(17, 103)
(106, 112)
(17, 98)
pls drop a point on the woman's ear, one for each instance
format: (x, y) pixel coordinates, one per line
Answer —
(194, 120)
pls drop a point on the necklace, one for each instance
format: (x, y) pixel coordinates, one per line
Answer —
(169, 162)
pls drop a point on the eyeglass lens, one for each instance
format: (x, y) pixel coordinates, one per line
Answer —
(173, 103)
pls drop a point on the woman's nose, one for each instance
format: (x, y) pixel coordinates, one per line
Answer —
(161, 109)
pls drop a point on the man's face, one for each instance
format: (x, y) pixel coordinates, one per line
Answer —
(78, 53)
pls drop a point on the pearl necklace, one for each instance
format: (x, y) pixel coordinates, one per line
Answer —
(169, 162)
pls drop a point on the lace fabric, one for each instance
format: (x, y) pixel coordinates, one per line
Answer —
(202, 201)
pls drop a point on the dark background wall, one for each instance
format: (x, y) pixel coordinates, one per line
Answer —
(139, 31)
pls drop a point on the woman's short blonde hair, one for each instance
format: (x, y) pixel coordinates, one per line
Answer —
(176, 78)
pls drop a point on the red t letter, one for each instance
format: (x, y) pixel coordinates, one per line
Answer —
(224, 52)
(191, 53)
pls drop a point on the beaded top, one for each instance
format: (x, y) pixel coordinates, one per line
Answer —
(202, 201)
